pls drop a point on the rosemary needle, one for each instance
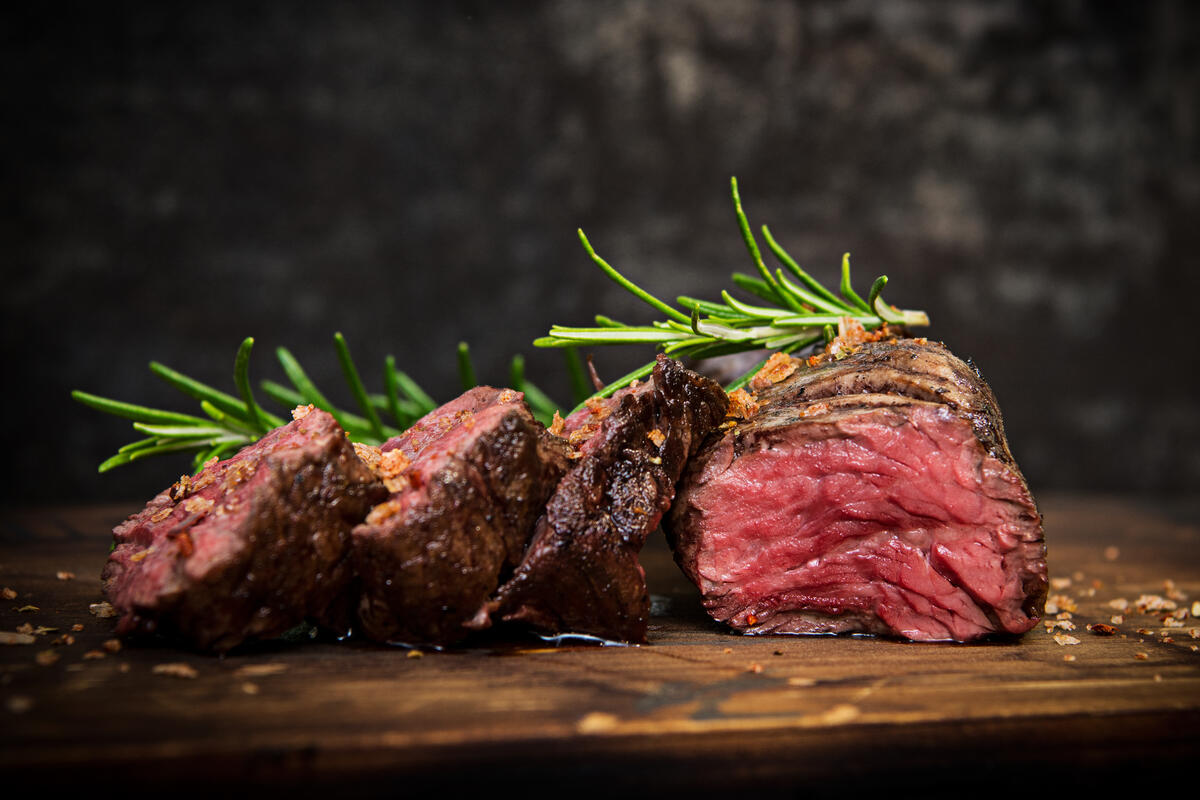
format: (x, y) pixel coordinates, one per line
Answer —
(801, 311)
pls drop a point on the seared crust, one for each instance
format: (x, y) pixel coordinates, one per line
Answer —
(478, 471)
(581, 573)
(248, 548)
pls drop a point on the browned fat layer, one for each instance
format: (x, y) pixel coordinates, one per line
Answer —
(300, 412)
(557, 424)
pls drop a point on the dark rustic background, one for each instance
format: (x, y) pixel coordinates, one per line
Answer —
(413, 175)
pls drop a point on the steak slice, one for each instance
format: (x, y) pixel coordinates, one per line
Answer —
(872, 494)
(468, 481)
(581, 572)
(251, 546)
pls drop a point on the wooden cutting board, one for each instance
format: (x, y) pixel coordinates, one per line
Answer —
(697, 708)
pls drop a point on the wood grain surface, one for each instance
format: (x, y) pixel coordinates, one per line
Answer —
(697, 708)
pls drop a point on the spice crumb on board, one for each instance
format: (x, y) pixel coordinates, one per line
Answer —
(1141, 655)
(77, 627)
(8, 594)
(63, 575)
(176, 670)
(249, 688)
(19, 704)
(415, 654)
(112, 645)
(45, 658)
(93, 655)
(102, 609)
(1069, 657)
(260, 670)
(1064, 640)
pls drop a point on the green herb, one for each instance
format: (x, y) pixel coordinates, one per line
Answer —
(231, 423)
(802, 312)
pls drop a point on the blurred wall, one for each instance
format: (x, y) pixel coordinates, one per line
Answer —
(413, 175)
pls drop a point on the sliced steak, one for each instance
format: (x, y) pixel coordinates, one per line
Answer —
(581, 572)
(873, 494)
(468, 481)
(251, 546)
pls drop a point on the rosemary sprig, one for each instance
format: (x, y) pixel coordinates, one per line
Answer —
(802, 312)
(231, 423)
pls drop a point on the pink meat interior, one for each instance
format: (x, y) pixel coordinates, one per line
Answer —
(899, 519)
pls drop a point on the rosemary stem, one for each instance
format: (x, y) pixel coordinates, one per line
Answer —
(629, 285)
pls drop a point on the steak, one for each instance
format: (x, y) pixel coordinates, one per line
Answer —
(871, 494)
(249, 547)
(581, 573)
(467, 483)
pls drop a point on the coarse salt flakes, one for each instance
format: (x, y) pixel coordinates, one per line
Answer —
(1064, 640)
(1060, 583)
(1120, 604)
(1116, 619)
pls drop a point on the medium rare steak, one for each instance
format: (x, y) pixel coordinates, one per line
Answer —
(468, 481)
(873, 494)
(581, 573)
(249, 547)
